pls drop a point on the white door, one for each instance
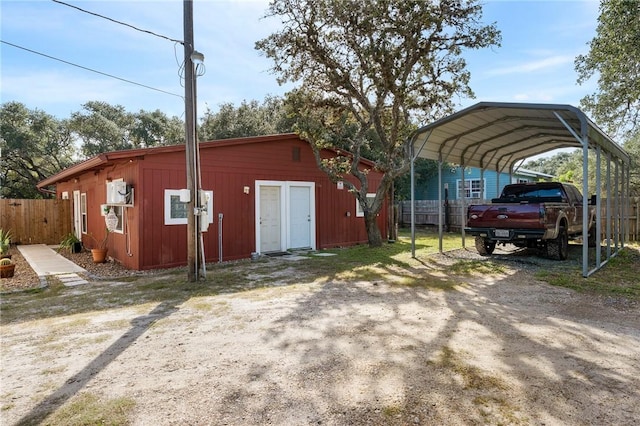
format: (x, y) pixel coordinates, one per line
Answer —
(77, 214)
(270, 219)
(300, 216)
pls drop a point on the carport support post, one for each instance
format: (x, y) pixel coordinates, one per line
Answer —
(462, 209)
(616, 206)
(440, 204)
(625, 204)
(413, 203)
(598, 217)
(629, 210)
(585, 196)
(498, 183)
(608, 206)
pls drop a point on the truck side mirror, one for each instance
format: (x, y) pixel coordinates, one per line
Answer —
(593, 200)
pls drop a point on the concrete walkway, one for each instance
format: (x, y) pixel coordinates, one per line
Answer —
(45, 262)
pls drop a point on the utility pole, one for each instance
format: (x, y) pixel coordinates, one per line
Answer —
(190, 149)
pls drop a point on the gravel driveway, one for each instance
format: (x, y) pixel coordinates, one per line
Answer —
(499, 349)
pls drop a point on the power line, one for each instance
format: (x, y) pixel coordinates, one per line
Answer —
(118, 22)
(90, 69)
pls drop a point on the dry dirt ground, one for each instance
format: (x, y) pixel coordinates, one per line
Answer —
(499, 349)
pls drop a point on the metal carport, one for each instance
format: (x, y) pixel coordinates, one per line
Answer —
(497, 136)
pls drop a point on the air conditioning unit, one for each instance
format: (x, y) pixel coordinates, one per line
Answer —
(117, 192)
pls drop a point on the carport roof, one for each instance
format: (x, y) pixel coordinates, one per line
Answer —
(496, 135)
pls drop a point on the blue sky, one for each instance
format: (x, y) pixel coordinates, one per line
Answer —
(540, 40)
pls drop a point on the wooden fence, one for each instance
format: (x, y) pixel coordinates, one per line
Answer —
(36, 221)
(427, 215)
(634, 219)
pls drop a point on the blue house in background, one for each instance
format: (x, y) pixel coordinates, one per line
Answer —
(493, 183)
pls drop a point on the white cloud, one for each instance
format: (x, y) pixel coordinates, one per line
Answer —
(533, 97)
(533, 66)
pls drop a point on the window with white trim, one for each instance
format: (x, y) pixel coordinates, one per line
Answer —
(473, 188)
(175, 211)
(83, 211)
(359, 211)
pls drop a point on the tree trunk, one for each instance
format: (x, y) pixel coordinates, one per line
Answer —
(373, 232)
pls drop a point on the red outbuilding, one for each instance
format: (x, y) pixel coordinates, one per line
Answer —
(266, 194)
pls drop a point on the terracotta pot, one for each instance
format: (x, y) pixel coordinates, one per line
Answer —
(6, 271)
(99, 255)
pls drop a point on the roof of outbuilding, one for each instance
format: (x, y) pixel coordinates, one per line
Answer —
(103, 160)
(107, 159)
(496, 135)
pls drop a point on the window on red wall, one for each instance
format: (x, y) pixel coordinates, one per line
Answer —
(83, 211)
(359, 211)
(175, 211)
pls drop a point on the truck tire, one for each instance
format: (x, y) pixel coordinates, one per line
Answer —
(559, 247)
(485, 246)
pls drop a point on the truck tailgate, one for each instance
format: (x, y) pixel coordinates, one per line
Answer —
(505, 216)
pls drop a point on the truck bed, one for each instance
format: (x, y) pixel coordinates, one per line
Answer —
(505, 216)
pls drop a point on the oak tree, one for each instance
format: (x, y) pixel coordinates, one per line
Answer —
(366, 72)
(102, 127)
(614, 57)
(251, 118)
(34, 145)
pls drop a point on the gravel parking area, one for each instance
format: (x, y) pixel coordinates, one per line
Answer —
(494, 349)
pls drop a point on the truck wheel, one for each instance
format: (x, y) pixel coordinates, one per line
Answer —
(559, 248)
(484, 246)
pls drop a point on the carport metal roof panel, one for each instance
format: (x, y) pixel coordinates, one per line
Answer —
(494, 135)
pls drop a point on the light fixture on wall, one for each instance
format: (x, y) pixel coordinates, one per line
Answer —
(246, 190)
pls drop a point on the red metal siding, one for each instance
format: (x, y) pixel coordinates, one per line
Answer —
(237, 208)
(226, 168)
(93, 184)
(161, 245)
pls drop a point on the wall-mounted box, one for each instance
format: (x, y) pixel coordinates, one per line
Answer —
(117, 192)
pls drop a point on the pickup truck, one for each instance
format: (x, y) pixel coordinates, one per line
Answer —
(542, 215)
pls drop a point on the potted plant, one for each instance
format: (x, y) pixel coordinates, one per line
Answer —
(5, 242)
(99, 252)
(7, 268)
(71, 242)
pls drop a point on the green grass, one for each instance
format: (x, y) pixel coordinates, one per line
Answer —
(477, 267)
(89, 409)
(472, 377)
(618, 278)
(392, 411)
(489, 393)
(391, 263)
